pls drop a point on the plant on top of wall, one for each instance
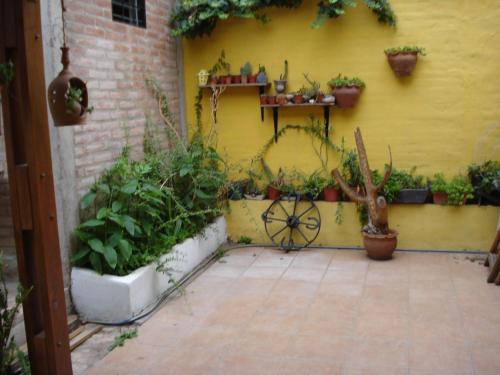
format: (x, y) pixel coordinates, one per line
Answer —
(455, 192)
(404, 187)
(485, 179)
(194, 19)
(346, 90)
(403, 60)
(313, 185)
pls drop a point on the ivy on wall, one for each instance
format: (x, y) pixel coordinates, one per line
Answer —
(196, 18)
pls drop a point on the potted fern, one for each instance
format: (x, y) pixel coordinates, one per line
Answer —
(403, 59)
(346, 90)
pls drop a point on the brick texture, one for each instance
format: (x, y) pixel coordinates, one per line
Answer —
(114, 58)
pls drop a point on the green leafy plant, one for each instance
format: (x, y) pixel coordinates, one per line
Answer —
(236, 189)
(314, 88)
(9, 352)
(344, 81)
(284, 76)
(6, 72)
(74, 101)
(485, 179)
(221, 65)
(245, 240)
(405, 49)
(313, 185)
(198, 18)
(399, 180)
(459, 190)
(120, 339)
(439, 184)
(246, 69)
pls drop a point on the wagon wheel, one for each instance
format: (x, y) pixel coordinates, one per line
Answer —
(292, 225)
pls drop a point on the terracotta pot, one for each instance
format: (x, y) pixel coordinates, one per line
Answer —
(320, 98)
(228, 80)
(331, 194)
(403, 63)
(62, 115)
(213, 81)
(440, 198)
(236, 79)
(281, 99)
(273, 193)
(221, 80)
(252, 78)
(280, 86)
(271, 99)
(297, 99)
(380, 246)
(244, 79)
(263, 99)
(347, 96)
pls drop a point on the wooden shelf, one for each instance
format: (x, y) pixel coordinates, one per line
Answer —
(263, 85)
(276, 107)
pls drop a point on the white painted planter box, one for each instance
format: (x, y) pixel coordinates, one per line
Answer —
(115, 299)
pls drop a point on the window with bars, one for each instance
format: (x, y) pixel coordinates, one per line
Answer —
(132, 12)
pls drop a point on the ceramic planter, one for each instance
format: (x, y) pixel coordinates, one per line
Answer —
(280, 86)
(331, 194)
(346, 96)
(403, 63)
(273, 193)
(213, 80)
(281, 99)
(252, 78)
(380, 246)
(244, 79)
(261, 78)
(297, 99)
(115, 299)
(236, 79)
(271, 100)
(412, 196)
(254, 197)
(440, 198)
(263, 99)
(228, 80)
(203, 77)
(320, 98)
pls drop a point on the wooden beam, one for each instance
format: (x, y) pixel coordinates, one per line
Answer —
(32, 188)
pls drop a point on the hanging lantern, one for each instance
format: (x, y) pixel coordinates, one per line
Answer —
(203, 77)
(68, 97)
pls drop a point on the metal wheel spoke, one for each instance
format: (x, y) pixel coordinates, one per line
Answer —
(271, 219)
(278, 232)
(306, 211)
(303, 236)
(311, 226)
(283, 208)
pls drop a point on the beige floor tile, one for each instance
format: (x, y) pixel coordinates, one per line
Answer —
(312, 275)
(265, 322)
(372, 370)
(238, 259)
(324, 346)
(486, 359)
(265, 344)
(379, 353)
(344, 275)
(385, 327)
(301, 366)
(440, 355)
(274, 258)
(317, 259)
(226, 270)
(258, 272)
(249, 364)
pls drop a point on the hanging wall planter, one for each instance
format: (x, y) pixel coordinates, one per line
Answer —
(403, 59)
(346, 90)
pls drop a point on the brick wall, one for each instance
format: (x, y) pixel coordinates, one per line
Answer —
(114, 57)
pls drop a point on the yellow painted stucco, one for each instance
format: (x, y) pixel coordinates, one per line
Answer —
(441, 119)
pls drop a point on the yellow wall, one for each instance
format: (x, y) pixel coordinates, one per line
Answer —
(442, 118)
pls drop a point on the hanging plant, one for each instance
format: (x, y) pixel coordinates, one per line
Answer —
(403, 59)
(194, 19)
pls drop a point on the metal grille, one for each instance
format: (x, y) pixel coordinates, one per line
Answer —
(132, 12)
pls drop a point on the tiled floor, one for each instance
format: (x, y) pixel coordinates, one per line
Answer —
(259, 311)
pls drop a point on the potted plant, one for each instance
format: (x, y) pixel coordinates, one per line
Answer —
(6, 73)
(298, 97)
(459, 191)
(236, 189)
(313, 185)
(275, 184)
(246, 71)
(331, 191)
(346, 90)
(403, 59)
(252, 190)
(439, 189)
(271, 100)
(313, 92)
(220, 66)
(263, 99)
(485, 179)
(280, 84)
(281, 99)
(350, 171)
(406, 187)
(74, 102)
(380, 241)
(261, 76)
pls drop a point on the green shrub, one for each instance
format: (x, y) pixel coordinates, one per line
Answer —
(313, 185)
(458, 189)
(340, 81)
(405, 49)
(399, 180)
(485, 179)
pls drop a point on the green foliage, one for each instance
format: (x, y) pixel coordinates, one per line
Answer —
(340, 81)
(6, 72)
(405, 49)
(399, 180)
(236, 189)
(245, 240)
(485, 179)
(198, 18)
(314, 88)
(74, 100)
(458, 189)
(349, 169)
(313, 185)
(284, 76)
(8, 348)
(120, 339)
(246, 69)
(138, 210)
(221, 65)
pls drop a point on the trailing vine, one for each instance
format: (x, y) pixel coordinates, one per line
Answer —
(194, 19)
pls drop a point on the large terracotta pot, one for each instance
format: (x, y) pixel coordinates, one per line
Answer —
(403, 63)
(331, 194)
(440, 198)
(347, 96)
(62, 115)
(380, 246)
